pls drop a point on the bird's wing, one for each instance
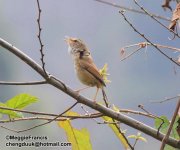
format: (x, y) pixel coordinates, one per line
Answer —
(92, 69)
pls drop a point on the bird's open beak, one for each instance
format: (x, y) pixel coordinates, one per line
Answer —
(68, 39)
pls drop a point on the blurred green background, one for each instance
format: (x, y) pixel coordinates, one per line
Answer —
(143, 77)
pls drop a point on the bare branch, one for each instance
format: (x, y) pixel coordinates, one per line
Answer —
(155, 116)
(31, 118)
(27, 111)
(23, 83)
(143, 45)
(62, 118)
(42, 124)
(168, 47)
(139, 48)
(94, 115)
(158, 45)
(152, 16)
(131, 9)
(166, 99)
(137, 113)
(39, 37)
(143, 36)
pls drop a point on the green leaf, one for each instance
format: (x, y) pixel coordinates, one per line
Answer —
(142, 139)
(115, 129)
(104, 73)
(164, 126)
(132, 136)
(116, 109)
(80, 139)
(174, 133)
(138, 137)
(11, 113)
(21, 101)
(167, 147)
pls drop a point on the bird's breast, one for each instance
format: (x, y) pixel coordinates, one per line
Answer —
(84, 76)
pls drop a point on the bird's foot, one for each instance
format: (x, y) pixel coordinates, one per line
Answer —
(79, 90)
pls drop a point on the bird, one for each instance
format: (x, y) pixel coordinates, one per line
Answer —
(85, 68)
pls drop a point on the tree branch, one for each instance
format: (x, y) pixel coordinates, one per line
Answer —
(23, 83)
(158, 45)
(129, 55)
(39, 36)
(131, 9)
(81, 99)
(152, 16)
(62, 118)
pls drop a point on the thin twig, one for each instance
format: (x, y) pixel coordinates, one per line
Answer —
(98, 122)
(137, 113)
(131, 9)
(146, 44)
(28, 112)
(105, 98)
(23, 83)
(94, 115)
(132, 45)
(170, 126)
(86, 112)
(152, 16)
(143, 36)
(136, 140)
(158, 130)
(108, 122)
(42, 124)
(31, 118)
(65, 88)
(166, 99)
(142, 107)
(39, 38)
(127, 56)
(62, 118)
(8, 129)
(168, 47)
(52, 119)
(158, 45)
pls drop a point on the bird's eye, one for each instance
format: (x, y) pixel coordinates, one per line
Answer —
(75, 40)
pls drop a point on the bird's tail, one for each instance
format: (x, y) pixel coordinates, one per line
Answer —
(105, 97)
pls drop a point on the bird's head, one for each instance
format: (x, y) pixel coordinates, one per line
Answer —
(77, 47)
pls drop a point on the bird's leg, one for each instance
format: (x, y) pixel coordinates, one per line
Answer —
(95, 95)
(79, 90)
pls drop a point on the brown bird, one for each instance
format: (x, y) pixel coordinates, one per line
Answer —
(86, 70)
